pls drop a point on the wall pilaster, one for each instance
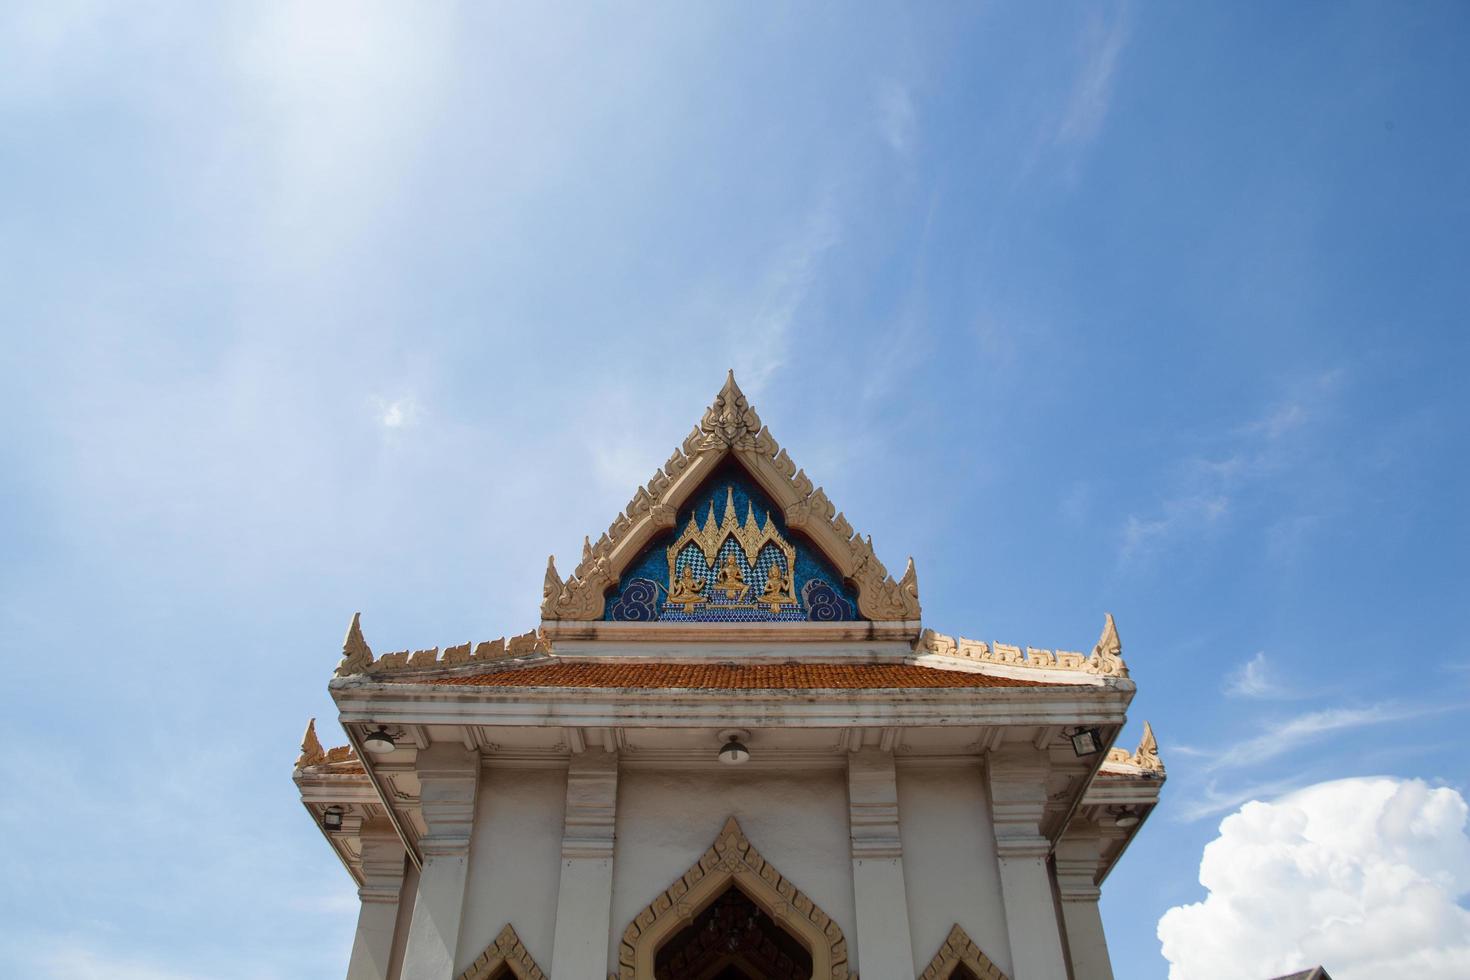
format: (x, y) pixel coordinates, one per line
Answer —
(1078, 857)
(377, 916)
(584, 900)
(1017, 777)
(885, 948)
(449, 777)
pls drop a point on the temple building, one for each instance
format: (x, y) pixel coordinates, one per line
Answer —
(731, 750)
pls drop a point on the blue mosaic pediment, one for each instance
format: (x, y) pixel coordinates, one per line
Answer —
(730, 559)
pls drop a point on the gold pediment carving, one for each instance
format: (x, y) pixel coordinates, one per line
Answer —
(729, 427)
(508, 951)
(960, 950)
(732, 860)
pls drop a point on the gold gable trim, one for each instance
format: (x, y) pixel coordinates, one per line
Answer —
(958, 949)
(732, 860)
(507, 951)
(730, 426)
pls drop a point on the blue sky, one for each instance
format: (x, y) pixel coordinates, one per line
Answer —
(1150, 309)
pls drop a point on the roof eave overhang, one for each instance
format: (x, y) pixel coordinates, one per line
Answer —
(407, 703)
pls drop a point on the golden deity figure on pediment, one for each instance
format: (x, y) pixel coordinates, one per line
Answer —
(727, 561)
(730, 580)
(778, 590)
(687, 591)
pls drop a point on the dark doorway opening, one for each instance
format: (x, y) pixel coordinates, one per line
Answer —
(732, 939)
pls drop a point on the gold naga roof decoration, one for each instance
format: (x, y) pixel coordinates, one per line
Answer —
(1106, 659)
(730, 426)
(1145, 757)
(357, 656)
(312, 753)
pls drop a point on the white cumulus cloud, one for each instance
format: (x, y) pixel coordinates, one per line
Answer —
(1362, 876)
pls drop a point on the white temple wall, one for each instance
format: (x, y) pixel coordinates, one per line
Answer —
(515, 859)
(797, 820)
(950, 869)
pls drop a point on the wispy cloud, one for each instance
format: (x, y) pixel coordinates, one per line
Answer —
(898, 122)
(1286, 736)
(1264, 452)
(793, 271)
(1092, 91)
(397, 413)
(1255, 678)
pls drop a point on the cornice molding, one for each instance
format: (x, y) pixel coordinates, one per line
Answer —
(729, 427)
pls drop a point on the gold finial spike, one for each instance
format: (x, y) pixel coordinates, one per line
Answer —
(1108, 642)
(1146, 756)
(586, 548)
(750, 515)
(710, 521)
(311, 747)
(729, 507)
(357, 656)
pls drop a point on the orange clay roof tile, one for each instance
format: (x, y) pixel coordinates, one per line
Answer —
(727, 676)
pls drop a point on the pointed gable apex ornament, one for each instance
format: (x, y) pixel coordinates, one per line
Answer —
(357, 656)
(1146, 756)
(1107, 655)
(312, 752)
(729, 421)
(730, 426)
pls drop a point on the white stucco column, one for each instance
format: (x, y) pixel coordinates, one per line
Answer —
(382, 872)
(584, 901)
(1017, 777)
(884, 947)
(1078, 857)
(449, 776)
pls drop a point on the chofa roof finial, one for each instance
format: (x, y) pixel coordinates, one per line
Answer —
(1107, 655)
(357, 656)
(312, 752)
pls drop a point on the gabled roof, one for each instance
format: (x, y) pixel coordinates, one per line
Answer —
(730, 428)
(644, 674)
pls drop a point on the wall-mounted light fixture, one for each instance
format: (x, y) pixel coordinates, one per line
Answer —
(379, 742)
(332, 819)
(1127, 817)
(1086, 741)
(734, 752)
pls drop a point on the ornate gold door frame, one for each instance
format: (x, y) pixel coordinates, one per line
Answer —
(732, 860)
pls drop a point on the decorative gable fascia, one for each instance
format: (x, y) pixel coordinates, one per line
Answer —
(730, 426)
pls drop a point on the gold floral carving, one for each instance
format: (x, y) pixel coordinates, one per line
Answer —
(357, 656)
(960, 950)
(730, 426)
(507, 951)
(732, 860)
(1106, 659)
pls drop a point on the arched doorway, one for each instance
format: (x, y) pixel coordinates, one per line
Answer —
(732, 939)
(732, 863)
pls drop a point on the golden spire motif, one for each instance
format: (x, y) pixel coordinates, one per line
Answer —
(1146, 756)
(357, 656)
(1107, 655)
(551, 586)
(312, 752)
